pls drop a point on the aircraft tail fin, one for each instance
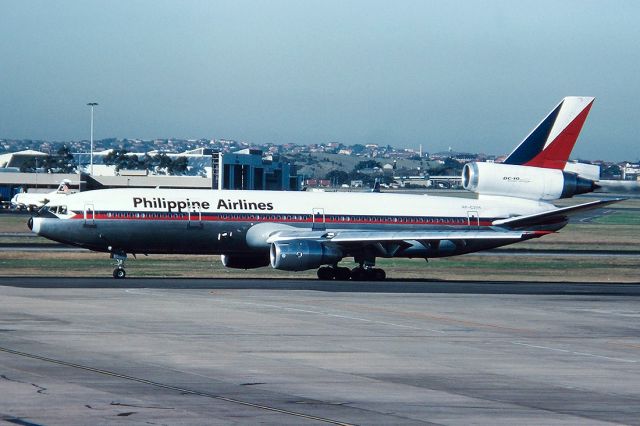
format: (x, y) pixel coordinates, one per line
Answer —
(550, 143)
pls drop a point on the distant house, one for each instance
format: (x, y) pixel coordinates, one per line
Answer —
(630, 171)
(317, 183)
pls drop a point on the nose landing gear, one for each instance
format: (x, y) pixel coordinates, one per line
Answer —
(119, 272)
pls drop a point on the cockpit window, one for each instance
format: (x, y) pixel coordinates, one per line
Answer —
(57, 209)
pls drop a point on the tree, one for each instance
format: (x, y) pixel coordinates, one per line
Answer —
(115, 157)
(367, 180)
(131, 162)
(367, 164)
(179, 166)
(149, 163)
(64, 160)
(613, 171)
(387, 179)
(338, 176)
(122, 160)
(163, 163)
(452, 167)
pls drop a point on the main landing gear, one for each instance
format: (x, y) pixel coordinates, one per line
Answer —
(359, 273)
(119, 272)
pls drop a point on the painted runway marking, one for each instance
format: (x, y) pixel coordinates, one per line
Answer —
(327, 314)
(140, 292)
(446, 319)
(574, 352)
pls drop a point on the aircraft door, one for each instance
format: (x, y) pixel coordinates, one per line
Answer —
(89, 215)
(195, 216)
(473, 219)
(318, 219)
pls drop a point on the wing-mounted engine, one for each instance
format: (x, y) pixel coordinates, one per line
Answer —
(299, 255)
(532, 183)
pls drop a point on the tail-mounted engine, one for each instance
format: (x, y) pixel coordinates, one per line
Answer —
(299, 255)
(532, 183)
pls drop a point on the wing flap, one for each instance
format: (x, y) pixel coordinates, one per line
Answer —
(387, 236)
(368, 236)
(552, 215)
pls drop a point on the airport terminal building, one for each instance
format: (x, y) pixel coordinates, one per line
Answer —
(246, 169)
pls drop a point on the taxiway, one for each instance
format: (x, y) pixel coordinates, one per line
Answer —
(167, 351)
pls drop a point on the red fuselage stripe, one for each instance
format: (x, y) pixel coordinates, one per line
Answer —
(297, 218)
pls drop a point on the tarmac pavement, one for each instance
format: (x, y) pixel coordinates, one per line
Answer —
(187, 351)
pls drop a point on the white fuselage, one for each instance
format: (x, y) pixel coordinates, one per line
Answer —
(221, 222)
(262, 206)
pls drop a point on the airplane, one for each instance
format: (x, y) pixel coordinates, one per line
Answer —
(34, 201)
(295, 231)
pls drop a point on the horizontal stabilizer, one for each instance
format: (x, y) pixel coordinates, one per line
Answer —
(618, 186)
(550, 216)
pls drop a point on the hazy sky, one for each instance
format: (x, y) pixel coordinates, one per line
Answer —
(473, 75)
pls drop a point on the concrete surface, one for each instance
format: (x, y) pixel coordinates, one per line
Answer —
(146, 351)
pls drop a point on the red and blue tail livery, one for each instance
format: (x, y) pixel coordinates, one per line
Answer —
(550, 143)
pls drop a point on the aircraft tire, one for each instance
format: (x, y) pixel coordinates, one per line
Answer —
(325, 273)
(379, 274)
(342, 274)
(119, 273)
(357, 274)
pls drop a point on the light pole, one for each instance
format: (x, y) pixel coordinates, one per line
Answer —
(92, 105)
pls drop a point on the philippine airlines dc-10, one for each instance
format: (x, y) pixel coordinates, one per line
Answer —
(297, 231)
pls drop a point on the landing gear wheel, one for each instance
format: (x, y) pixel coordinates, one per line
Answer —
(342, 274)
(358, 274)
(379, 274)
(119, 273)
(119, 257)
(326, 273)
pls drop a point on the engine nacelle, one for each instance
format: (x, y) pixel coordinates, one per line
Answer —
(532, 183)
(299, 255)
(236, 261)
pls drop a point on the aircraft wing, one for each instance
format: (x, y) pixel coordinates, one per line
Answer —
(559, 214)
(514, 228)
(342, 237)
